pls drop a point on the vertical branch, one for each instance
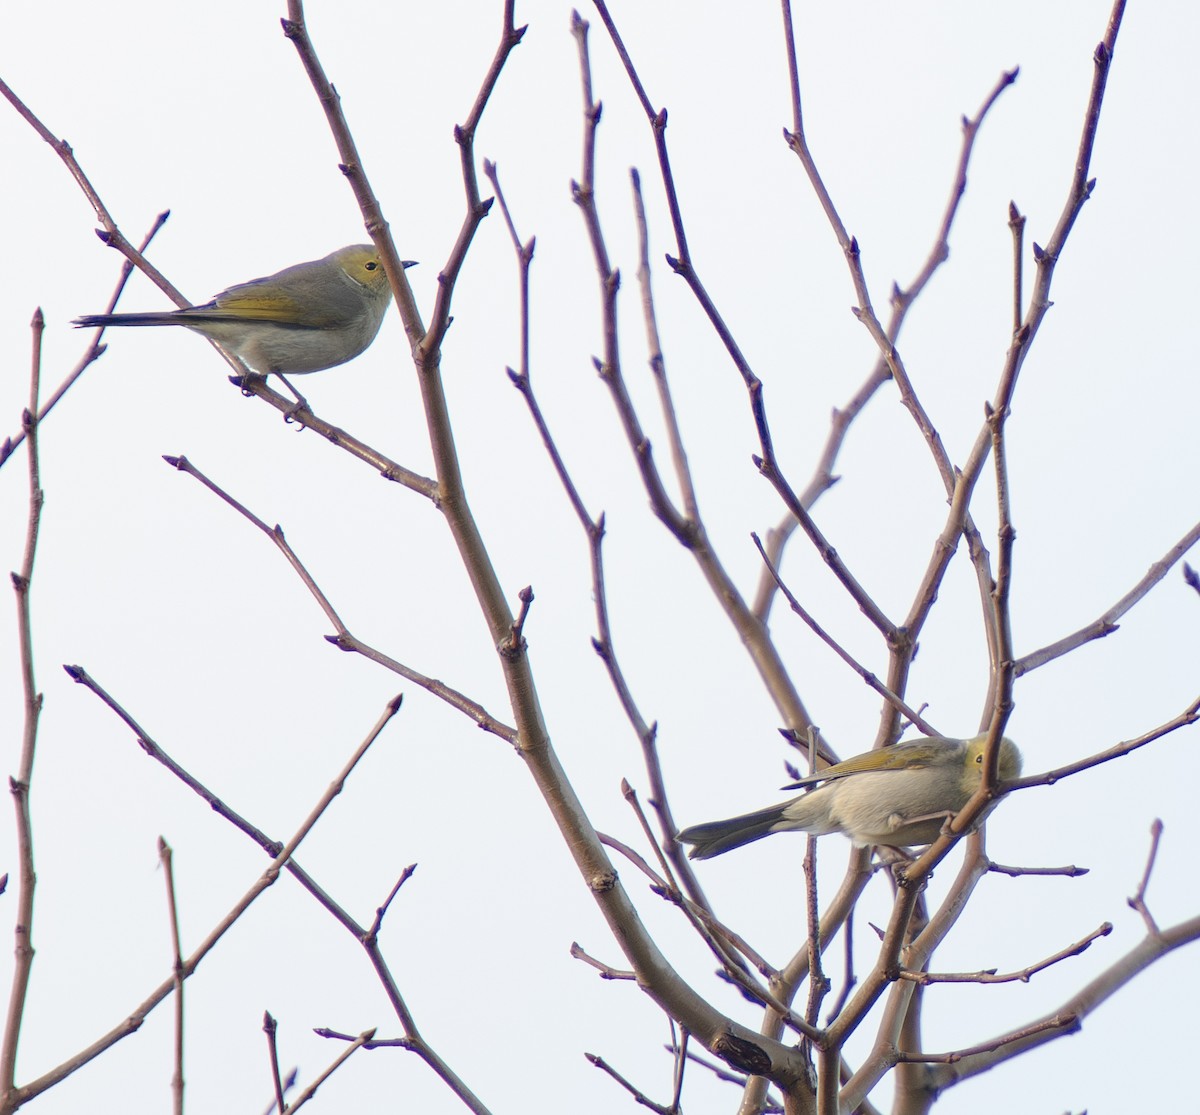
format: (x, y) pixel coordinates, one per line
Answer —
(270, 1028)
(165, 857)
(1016, 223)
(22, 581)
(1002, 666)
(658, 364)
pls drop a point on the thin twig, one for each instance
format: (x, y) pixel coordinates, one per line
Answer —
(20, 785)
(990, 975)
(1001, 677)
(1107, 623)
(344, 639)
(607, 971)
(867, 676)
(110, 234)
(381, 911)
(640, 1096)
(166, 858)
(1059, 1024)
(1016, 224)
(338, 1061)
(1187, 717)
(94, 350)
(658, 364)
(1138, 901)
(270, 1028)
(1070, 870)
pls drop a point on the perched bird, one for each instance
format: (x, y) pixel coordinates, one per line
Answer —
(896, 796)
(302, 319)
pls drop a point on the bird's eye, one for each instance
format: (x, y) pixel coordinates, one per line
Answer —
(979, 758)
(372, 265)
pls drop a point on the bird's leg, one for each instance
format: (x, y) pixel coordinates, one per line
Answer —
(300, 404)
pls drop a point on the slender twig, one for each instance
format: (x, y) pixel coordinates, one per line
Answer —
(1000, 698)
(867, 676)
(1069, 1016)
(166, 858)
(848, 977)
(640, 1096)
(440, 689)
(251, 384)
(110, 234)
(1071, 871)
(1107, 623)
(607, 971)
(337, 1063)
(1016, 224)
(477, 209)
(270, 1028)
(515, 642)
(1138, 901)
(344, 639)
(1066, 1023)
(680, 1045)
(94, 350)
(1187, 717)
(818, 982)
(658, 364)
(20, 785)
(990, 975)
(381, 911)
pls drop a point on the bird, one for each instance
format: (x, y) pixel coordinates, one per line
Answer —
(895, 796)
(303, 319)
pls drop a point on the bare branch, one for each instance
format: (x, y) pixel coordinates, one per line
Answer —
(1138, 901)
(606, 971)
(270, 1026)
(344, 639)
(869, 678)
(637, 1094)
(167, 860)
(338, 1061)
(20, 785)
(94, 350)
(1023, 976)
(1107, 623)
(1189, 716)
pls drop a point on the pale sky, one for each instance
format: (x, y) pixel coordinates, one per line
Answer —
(196, 624)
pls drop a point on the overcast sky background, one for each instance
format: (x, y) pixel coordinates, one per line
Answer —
(193, 620)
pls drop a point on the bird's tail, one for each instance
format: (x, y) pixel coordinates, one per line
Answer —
(96, 320)
(714, 837)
